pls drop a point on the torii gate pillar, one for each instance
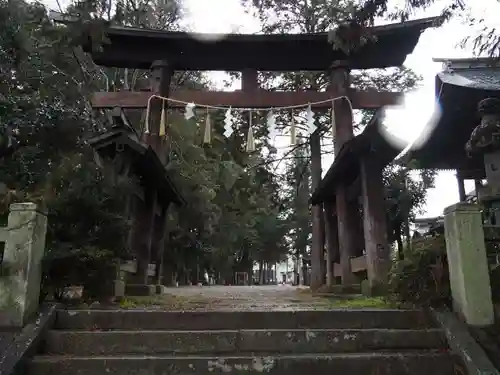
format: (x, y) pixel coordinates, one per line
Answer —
(340, 82)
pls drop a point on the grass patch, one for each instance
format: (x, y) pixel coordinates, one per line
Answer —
(304, 291)
(165, 302)
(343, 301)
(360, 302)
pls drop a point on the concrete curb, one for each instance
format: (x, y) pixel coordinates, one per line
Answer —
(227, 320)
(26, 342)
(464, 345)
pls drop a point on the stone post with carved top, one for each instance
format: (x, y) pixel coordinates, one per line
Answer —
(21, 268)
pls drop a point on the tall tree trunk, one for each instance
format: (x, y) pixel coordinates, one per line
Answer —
(399, 241)
(317, 246)
(302, 211)
(250, 274)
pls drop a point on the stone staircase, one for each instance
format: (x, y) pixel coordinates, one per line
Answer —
(126, 342)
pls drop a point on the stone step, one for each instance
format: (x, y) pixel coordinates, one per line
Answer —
(360, 363)
(227, 320)
(86, 343)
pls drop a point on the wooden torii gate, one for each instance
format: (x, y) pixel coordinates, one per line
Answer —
(165, 52)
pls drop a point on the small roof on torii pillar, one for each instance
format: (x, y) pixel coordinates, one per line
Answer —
(120, 145)
(138, 48)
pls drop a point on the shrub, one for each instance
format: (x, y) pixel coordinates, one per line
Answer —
(422, 277)
(87, 229)
(495, 282)
(493, 251)
(91, 268)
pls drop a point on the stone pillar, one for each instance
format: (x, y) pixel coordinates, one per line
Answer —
(332, 243)
(468, 265)
(461, 188)
(343, 132)
(22, 264)
(378, 260)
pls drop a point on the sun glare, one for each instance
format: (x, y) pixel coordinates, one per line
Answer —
(408, 125)
(212, 20)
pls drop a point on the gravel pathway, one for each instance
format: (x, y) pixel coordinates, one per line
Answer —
(268, 297)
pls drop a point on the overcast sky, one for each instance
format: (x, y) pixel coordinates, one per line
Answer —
(224, 16)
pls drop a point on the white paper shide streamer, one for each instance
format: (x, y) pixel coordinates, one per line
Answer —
(228, 123)
(310, 120)
(271, 125)
(293, 131)
(250, 139)
(207, 136)
(189, 112)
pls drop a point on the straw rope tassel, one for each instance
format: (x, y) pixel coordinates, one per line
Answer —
(250, 139)
(146, 121)
(163, 120)
(293, 132)
(207, 138)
